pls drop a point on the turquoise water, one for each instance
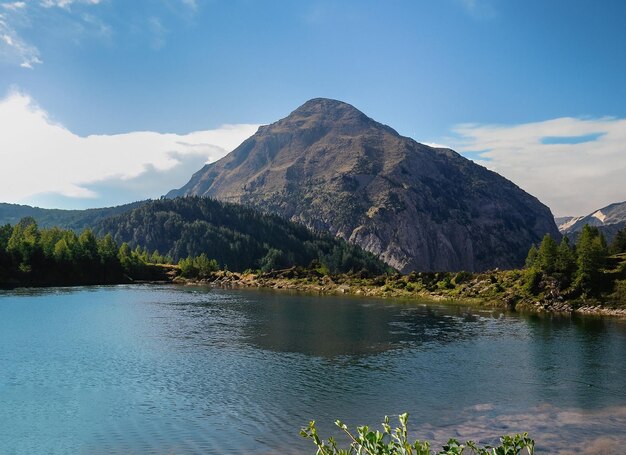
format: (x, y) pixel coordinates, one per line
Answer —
(180, 370)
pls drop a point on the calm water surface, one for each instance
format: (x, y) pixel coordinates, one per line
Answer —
(175, 370)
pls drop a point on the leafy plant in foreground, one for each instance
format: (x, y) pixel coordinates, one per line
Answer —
(396, 442)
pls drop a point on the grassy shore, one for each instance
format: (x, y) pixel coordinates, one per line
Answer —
(501, 289)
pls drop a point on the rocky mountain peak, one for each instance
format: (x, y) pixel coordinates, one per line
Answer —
(331, 167)
(325, 114)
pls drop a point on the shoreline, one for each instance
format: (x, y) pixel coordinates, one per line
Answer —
(496, 289)
(471, 295)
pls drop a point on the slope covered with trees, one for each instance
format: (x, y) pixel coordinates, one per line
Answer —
(591, 268)
(237, 237)
(76, 220)
(33, 256)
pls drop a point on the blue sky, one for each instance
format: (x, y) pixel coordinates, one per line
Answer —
(462, 73)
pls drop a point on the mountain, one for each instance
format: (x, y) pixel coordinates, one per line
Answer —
(609, 220)
(76, 220)
(330, 167)
(563, 221)
(236, 236)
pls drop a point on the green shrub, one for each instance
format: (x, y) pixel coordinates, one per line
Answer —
(620, 292)
(461, 277)
(396, 442)
(446, 283)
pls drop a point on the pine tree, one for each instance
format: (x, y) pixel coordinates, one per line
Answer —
(547, 255)
(618, 245)
(592, 253)
(531, 259)
(565, 263)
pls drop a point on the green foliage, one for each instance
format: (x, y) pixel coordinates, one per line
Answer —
(273, 260)
(445, 283)
(618, 245)
(205, 266)
(75, 220)
(619, 294)
(565, 265)
(580, 269)
(591, 257)
(30, 256)
(233, 234)
(546, 255)
(461, 277)
(396, 442)
(532, 257)
(198, 267)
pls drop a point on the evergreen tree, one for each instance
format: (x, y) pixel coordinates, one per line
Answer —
(565, 263)
(592, 253)
(547, 255)
(618, 245)
(532, 257)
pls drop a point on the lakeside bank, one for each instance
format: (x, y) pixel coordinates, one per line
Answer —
(495, 289)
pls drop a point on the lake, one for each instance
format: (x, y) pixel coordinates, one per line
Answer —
(190, 370)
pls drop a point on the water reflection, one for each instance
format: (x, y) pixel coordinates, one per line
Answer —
(314, 326)
(593, 373)
(349, 327)
(148, 369)
(563, 431)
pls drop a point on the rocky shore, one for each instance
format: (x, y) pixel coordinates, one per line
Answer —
(500, 289)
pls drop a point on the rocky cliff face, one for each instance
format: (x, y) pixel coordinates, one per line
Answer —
(331, 167)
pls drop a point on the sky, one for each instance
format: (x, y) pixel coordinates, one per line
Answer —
(104, 102)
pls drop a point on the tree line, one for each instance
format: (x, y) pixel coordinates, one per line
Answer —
(237, 237)
(587, 269)
(200, 235)
(33, 256)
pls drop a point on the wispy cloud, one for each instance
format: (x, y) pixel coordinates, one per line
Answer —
(14, 6)
(158, 32)
(42, 160)
(13, 49)
(573, 165)
(22, 23)
(67, 3)
(15, 17)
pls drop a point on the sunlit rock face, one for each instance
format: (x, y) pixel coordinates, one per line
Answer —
(330, 167)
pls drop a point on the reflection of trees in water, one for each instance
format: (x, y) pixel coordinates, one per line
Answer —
(579, 361)
(325, 326)
(335, 326)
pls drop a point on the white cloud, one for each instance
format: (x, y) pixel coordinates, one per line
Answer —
(40, 156)
(14, 5)
(13, 49)
(571, 178)
(19, 15)
(66, 3)
(436, 145)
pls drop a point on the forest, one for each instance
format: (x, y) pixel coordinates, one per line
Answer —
(198, 235)
(236, 236)
(589, 268)
(53, 256)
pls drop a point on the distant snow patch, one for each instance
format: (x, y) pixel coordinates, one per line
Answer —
(599, 215)
(568, 224)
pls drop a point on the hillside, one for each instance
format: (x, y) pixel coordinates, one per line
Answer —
(329, 166)
(237, 237)
(76, 220)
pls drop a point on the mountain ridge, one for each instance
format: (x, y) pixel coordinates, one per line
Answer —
(331, 167)
(609, 220)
